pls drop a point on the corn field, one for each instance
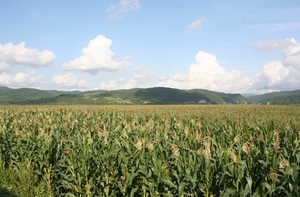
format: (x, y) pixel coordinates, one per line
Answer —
(186, 150)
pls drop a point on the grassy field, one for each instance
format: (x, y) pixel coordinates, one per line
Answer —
(187, 150)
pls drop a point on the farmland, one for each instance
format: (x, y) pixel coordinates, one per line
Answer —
(161, 150)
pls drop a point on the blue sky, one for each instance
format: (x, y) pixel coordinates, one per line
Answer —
(228, 46)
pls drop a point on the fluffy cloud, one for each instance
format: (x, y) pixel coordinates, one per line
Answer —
(283, 74)
(120, 10)
(18, 65)
(196, 24)
(21, 79)
(95, 57)
(21, 55)
(206, 73)
(69, 81)
(292, 54)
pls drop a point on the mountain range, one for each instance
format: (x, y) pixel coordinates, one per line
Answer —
(155, 95)
(277, 98)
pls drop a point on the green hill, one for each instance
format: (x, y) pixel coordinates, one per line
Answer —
(162, 95)
(28, 95)
(219, 97)
(277, 98)
(8, 95)
(156, 95)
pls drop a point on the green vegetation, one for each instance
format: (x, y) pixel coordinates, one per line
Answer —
(29, 96)
(156, 95)
(169, 96)
(278, 98)
(221, 98)
(187, 150)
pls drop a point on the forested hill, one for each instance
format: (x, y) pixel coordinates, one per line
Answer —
(277, 98)
(156, 95)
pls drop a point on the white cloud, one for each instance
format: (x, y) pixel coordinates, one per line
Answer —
(196, 24)
(275, 76)
(21, 55)
(4, 66)
(69, 81)
(4, 79)
(120, 84)
(114, 84)
(18, 65)
(292, 54)
(206, 66)
(275, 72)
(95, 57)
(140, 79)
(281, 75)
(206, 73)
(175, 81)
(120, 10)
(21, 79)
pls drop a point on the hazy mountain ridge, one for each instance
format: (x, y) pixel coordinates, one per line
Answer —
(277, 98)
(155, 95)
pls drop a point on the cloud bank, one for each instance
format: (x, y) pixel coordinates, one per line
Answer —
(18, 65)
(96, 57)
(69, 81)
(21, 79)
(284, 74)
(206, 73)
(139, 79)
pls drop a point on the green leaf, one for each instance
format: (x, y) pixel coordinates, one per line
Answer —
(169, 183)
(229, 192)
(181, 189)
(133, 191)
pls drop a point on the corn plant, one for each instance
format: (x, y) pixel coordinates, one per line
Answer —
(184, 150)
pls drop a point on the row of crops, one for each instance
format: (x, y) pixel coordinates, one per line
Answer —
(150, 150)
